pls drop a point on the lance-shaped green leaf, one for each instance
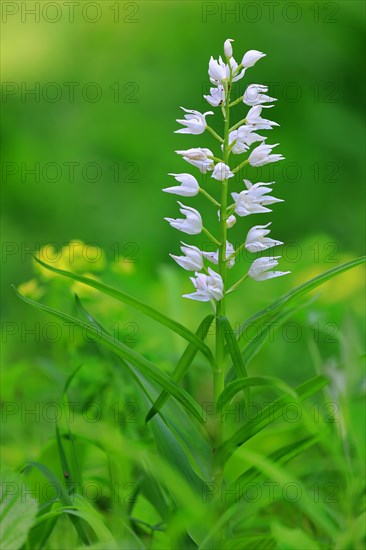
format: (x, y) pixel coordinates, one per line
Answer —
(143, 364)
(140, 306)
(237, 385)
(297, 292)
(267, 416)
(182, 366)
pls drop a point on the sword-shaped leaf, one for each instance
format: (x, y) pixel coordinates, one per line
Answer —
(140, 306)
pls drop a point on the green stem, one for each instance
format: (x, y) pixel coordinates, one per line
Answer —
(237, 251)
(237, 283)
(238, 69)
(240, 166)
(243, 121)
(230, 210)
(210, 236)
(236, 101)
(215, 135)
(219, 373)
(209, 197)
(216, 159)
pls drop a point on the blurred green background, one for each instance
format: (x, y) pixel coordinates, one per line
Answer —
(109, 78)
(90, 95)
(158, 53)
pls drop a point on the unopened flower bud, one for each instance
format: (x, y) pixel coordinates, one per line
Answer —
(228, 49)
(230, 221)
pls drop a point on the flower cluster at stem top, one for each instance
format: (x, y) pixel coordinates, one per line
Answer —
(255, 198)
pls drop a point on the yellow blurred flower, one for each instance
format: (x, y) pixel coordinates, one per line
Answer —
(31, 289)
(345, 286)
(81, 256)
(124, 267)
(75, 256)
(49, 255)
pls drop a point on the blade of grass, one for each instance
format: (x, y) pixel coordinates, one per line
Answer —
(64, 462)
(237, 385)
(299, 291)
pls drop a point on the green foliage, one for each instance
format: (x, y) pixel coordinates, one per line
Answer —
(149, 311)
(176, 484)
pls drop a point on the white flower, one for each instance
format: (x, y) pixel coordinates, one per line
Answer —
(198, 157)
(259, 269)
(255, 94)
(234, 66)
(217, 70)
(189, 187)
(253, 199)
(216, 97)
(257, 241)
(228, 49)
(194, 121)
(239, 146)
(192, 261)
(222, 172)
(191, 225)
(244, 136)
(214, 256)
(208, 287)
(261, 155)
(251, 57)
(254, 119)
